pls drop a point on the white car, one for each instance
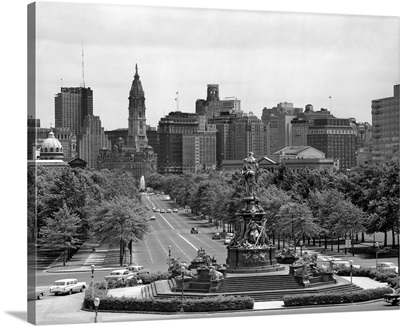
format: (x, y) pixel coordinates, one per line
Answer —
(386, 266)
(152, 218)
(120, 275)
(228, 238)
(67, 286)
(138, 270)
(175, 210)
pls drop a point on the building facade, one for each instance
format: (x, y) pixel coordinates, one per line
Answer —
(336, 138)
(72, 105)
(385, 127)
(92, 140)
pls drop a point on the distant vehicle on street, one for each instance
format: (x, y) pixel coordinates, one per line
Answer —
(168, 211)
(194, 231)
(228, 238)
(152, 218)
(67, 286)
(162, 210)
(337, 263)
(138, 270)
(175, 210)
(393, 298)
(120, 275)
(386, 266)
(216, 236)
(156, 210)
(35, 294)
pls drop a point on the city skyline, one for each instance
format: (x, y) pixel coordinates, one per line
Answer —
(327, 60)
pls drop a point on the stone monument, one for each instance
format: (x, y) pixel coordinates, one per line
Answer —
(250, 250)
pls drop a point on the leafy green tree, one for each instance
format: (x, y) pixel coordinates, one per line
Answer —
(60, 231)
(296, 221)
(119, 221)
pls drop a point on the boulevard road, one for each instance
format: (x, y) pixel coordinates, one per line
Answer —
(173, 229)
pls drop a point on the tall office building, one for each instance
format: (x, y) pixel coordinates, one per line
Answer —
(137, 139)
(92, 140)
(72, 105)
(336, 138)
(278, 121)
(213, 106)
(385, 127)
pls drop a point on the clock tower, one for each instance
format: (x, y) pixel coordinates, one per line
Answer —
(137, 138)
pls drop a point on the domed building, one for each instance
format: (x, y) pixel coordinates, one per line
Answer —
(51, 148)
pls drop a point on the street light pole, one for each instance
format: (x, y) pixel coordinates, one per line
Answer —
(301, 247)
(92, 268)
(169, 258)
(96, 305)
(351, 277)
(183, 274)
(376, 256)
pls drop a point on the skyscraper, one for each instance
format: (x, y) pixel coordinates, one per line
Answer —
(336, 138)
(72, 105)
(385, 127)
(92, 140)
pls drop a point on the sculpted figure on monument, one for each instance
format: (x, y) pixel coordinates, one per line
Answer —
(250, 173)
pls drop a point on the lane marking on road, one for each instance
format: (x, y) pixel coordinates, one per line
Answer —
(148, 250)
(177, 246)
(187, 241)
(166, 221)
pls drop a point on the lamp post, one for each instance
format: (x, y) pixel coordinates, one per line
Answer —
(92, 268)
(301, 247)
(183, 274)
(96, 306)
(169, 258)
(376, 245)
(351, 277)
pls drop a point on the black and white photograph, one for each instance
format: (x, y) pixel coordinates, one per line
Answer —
(210, 162)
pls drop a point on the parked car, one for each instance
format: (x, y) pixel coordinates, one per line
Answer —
(386, 266)
(393, 298)
(35, 294)
(216, 236)
(67, 286)
(152, 218)
(162, 210)
(120, 275)
(138, 270)
(337, 263)
(175, 210)
(228, 238)
(168, 211)
(194, 231)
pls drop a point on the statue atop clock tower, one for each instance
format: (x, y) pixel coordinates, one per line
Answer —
(137, 139)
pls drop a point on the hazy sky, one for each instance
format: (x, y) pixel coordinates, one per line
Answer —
(260, 57)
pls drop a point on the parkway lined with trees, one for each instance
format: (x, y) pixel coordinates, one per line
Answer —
(66, 206)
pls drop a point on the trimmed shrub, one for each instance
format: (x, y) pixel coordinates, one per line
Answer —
(334, 298)
(144, 279)
(218, 303)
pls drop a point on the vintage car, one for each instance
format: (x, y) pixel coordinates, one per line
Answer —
(152, 218)
(393, 298)
(228, 238)
(338, 263)
(168, 211)
(120, 275)
(156, 210)
(35, 294)
(162, 210)
(216, 236)
(194, 231)
(175, 210)
(67, 286)
(137, 270)
(386, 266)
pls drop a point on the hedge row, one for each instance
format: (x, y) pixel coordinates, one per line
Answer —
(334, 298)
(390, 277)
(142, 279)
(218, 303)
